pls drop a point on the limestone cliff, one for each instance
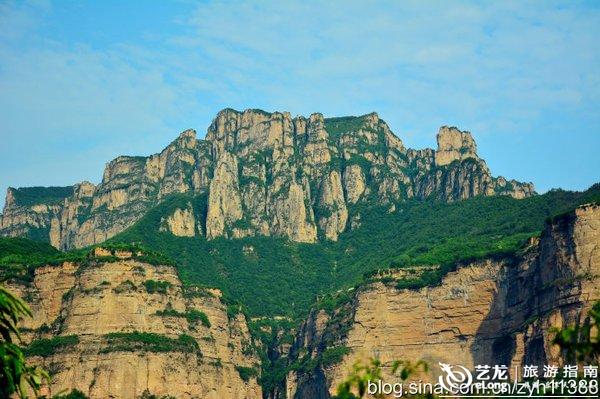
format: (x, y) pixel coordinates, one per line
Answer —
(115, 326)
(262, 174)
(485, 312)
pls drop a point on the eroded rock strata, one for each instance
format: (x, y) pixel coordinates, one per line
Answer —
(262, 174)
(485, 312)
(116, 327)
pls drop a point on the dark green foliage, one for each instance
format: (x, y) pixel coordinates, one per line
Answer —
(147, 395)
(330, 302)
(20, 256)
(427, 279)
(331, 356)
(581, 343)
(74, 394)
(148, 342)
(246, 373)
(47, 347)
(338, 126)
(157, 287)
(270, 333)
(194, 316)
(16, 377)
(170, 313)
(233, 311)
(12, 247)
(284, 278)
(28, 196)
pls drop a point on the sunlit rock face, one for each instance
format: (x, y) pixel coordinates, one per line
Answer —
(260, 173)
(485, 312)
(89, 303)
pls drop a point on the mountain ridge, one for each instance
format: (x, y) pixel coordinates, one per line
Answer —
(264, 174)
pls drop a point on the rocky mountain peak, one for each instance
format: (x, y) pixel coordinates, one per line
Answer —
(10, 199)
(262, 173)
(454, 145)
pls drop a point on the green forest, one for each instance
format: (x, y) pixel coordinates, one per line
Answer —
(272, 276)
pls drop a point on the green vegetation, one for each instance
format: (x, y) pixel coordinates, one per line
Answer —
(148, 342)
(49, 346)
(355, 384)
(20, 256)
(147, 395)
(269, 333)
(193, 316)
(28, 196)
(139, 252)
(74, 394)
(307, 363)
(246, 373)
(338, 126)
(16, 377)
(581, 343)
(279, 277)
(157, 287)
(334, 355)
(14, 249)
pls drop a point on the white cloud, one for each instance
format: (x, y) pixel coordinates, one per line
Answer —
(498, 69)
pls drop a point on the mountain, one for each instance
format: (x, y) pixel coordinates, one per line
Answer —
(262, 174)
(273, 276)
(491, 311)
(116, 321)
(264, 260)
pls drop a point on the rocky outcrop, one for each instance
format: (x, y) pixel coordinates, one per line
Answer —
(485, 312)
(261, 174)
(333, 206)
(181, 223)
(114, 329)
(224, 202)
(292, 218)
(454, 145)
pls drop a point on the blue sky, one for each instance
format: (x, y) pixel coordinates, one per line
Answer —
(83, 82)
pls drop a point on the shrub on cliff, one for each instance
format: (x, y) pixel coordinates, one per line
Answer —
(15, 375)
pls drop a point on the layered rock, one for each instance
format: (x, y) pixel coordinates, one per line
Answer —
(454, 145)
(224, 200)
(89, 324)
(181, 223)
(485, 312)
(261, 174)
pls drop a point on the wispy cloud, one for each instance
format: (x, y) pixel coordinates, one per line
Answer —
(520, 75)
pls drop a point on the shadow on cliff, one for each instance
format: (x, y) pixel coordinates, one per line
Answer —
(536, 290)
(494, 341)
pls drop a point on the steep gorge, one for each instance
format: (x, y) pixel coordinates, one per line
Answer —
(493, 311)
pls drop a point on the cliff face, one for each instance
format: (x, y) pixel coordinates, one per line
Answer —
(116, 327)
(262, 174)
(485, 312)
